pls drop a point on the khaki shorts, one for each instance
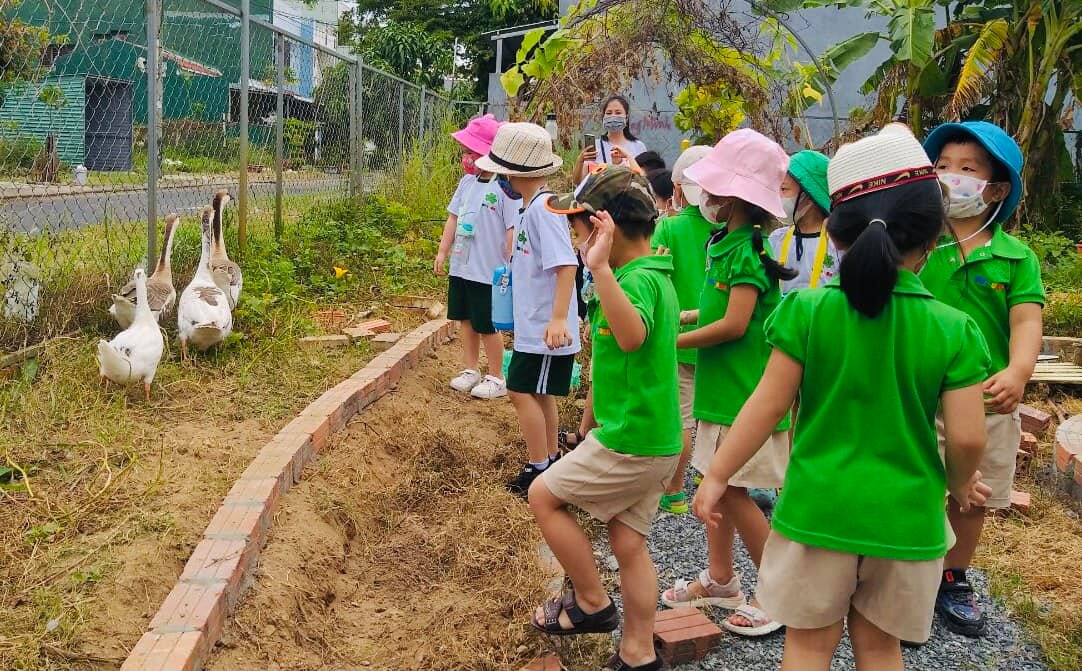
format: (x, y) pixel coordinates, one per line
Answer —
(687, 395)
(998, 462)
(765, 470)
(611, 485)
(807, 587)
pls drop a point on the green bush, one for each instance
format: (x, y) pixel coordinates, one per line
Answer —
(1061, 263)
(1063, 315)
(17, 154)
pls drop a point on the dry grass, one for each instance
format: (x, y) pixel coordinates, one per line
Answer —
(1033, 561)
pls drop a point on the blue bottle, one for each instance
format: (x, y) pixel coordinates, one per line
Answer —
(503, 306)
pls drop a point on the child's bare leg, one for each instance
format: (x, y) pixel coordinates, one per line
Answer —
(588, 422)
(873, 648)
(811, 649)
(738, 506)
(967, 527)
(676, 485)
(470, 345)
(719, 549)
(571, 548)
(552, 423)
(531, 417)
(638, 586)
(493, 343)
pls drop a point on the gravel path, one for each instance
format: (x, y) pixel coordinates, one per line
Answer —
(678, 546)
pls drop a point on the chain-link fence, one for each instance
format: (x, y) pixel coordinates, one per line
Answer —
(251, 97)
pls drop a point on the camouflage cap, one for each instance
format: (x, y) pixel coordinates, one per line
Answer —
(625, 194)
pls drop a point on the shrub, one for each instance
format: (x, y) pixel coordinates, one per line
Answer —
(17, 154)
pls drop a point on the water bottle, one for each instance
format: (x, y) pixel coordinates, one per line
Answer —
(503, 306)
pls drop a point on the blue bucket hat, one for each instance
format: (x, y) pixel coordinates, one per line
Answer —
(996, 142)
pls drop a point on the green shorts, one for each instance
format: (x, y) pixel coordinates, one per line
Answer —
(470, 301)
(540, 373)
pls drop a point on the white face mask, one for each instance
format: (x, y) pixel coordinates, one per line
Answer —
(710, 212)
(789, 206)
(965, 195)
(614, 122)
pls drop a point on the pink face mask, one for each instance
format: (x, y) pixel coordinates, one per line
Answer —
(468, 163)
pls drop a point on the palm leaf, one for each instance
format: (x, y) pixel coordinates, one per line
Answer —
(844, 53)
(873, 82)
(912, 31)
(973, 78)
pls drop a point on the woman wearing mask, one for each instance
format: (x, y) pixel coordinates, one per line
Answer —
(617, 145)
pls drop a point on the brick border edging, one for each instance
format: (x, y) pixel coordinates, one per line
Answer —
(192, 617)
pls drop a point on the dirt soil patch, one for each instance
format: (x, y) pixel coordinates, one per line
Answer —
(400, 548)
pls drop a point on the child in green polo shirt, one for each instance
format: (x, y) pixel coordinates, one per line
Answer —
(619, 470)
(741, 178)
(995, 279)
(684, 238)
(860, 530)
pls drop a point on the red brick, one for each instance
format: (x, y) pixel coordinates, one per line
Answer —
(188, 653)
(1066, 460)
(375, 325)
(1028, 443)
(193, 608)
(1021, 501)
(318, 428)
(384, 341)
(264, 490)
(1034, 420)
(334, 410)
(151, 652)
(233, 521)
(220, 560)
(685, 635)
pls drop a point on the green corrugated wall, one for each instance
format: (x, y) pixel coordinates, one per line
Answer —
(23, 114)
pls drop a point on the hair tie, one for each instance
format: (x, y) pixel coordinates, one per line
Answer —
(878, 221)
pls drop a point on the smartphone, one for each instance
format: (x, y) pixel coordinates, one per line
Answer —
(589, 140)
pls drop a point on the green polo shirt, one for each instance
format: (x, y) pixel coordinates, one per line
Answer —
(685, 235)
(993, 279)
(865, 476)
(727, 373)
(637, 394)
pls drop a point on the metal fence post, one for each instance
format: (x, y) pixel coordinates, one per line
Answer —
(401, 122)
(351, 106)
(245, 75)
(421, 118)
(279, 134)
(362, 146)
(153, 10)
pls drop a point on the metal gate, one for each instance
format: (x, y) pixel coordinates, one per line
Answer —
(108, 124)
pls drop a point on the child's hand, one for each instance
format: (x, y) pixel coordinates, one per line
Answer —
(688, 317)
(597, 252)
(707, 498)
(586, 332)
(437, 266)
(662, 250)
(975, 493)
(1004, 390)
(557, 334)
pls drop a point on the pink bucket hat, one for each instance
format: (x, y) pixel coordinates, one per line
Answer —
(478, 134)
(745, 165)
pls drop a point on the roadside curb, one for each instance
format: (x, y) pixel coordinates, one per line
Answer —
(191, 619)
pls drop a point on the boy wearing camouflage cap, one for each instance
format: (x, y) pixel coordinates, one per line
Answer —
(619, 471)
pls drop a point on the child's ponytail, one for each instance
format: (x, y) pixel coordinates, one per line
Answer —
(774, 270)
(869, 269)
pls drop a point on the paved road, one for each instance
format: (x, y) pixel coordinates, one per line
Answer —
(55, 213)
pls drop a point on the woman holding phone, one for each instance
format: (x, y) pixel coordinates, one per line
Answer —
(617, 145)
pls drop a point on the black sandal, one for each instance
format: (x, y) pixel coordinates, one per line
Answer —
(563, 435)
(602, 622)
(615, 663)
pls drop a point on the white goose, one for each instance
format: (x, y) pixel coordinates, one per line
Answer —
(133, 355)
(204, 317)
(161, 295)
(226, 273)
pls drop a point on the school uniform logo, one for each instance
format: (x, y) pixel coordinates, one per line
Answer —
(721, 286)
(983, 281)
(491, 201)
(522, 244)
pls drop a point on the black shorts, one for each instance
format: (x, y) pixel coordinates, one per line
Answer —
(470, 301)
(540, 373)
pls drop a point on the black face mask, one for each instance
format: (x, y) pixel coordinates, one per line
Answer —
(505, 184)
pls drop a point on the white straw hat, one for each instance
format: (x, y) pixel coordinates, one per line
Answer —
(889, 158)
(523, 150)
(693, 193)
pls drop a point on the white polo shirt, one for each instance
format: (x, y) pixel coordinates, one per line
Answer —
(490, 213)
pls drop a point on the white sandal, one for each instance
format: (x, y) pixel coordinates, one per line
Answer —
(679, 596)
(761, 624)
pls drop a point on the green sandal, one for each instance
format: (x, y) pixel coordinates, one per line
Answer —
(674, 504)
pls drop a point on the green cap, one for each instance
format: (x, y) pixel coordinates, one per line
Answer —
(620, 191)
(809, 169)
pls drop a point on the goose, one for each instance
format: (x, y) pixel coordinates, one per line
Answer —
(204, 316)
(161, 295)
(226, 273)
(133, 355)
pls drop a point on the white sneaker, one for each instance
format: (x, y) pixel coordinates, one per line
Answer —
(492, 387)
(466, 380)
